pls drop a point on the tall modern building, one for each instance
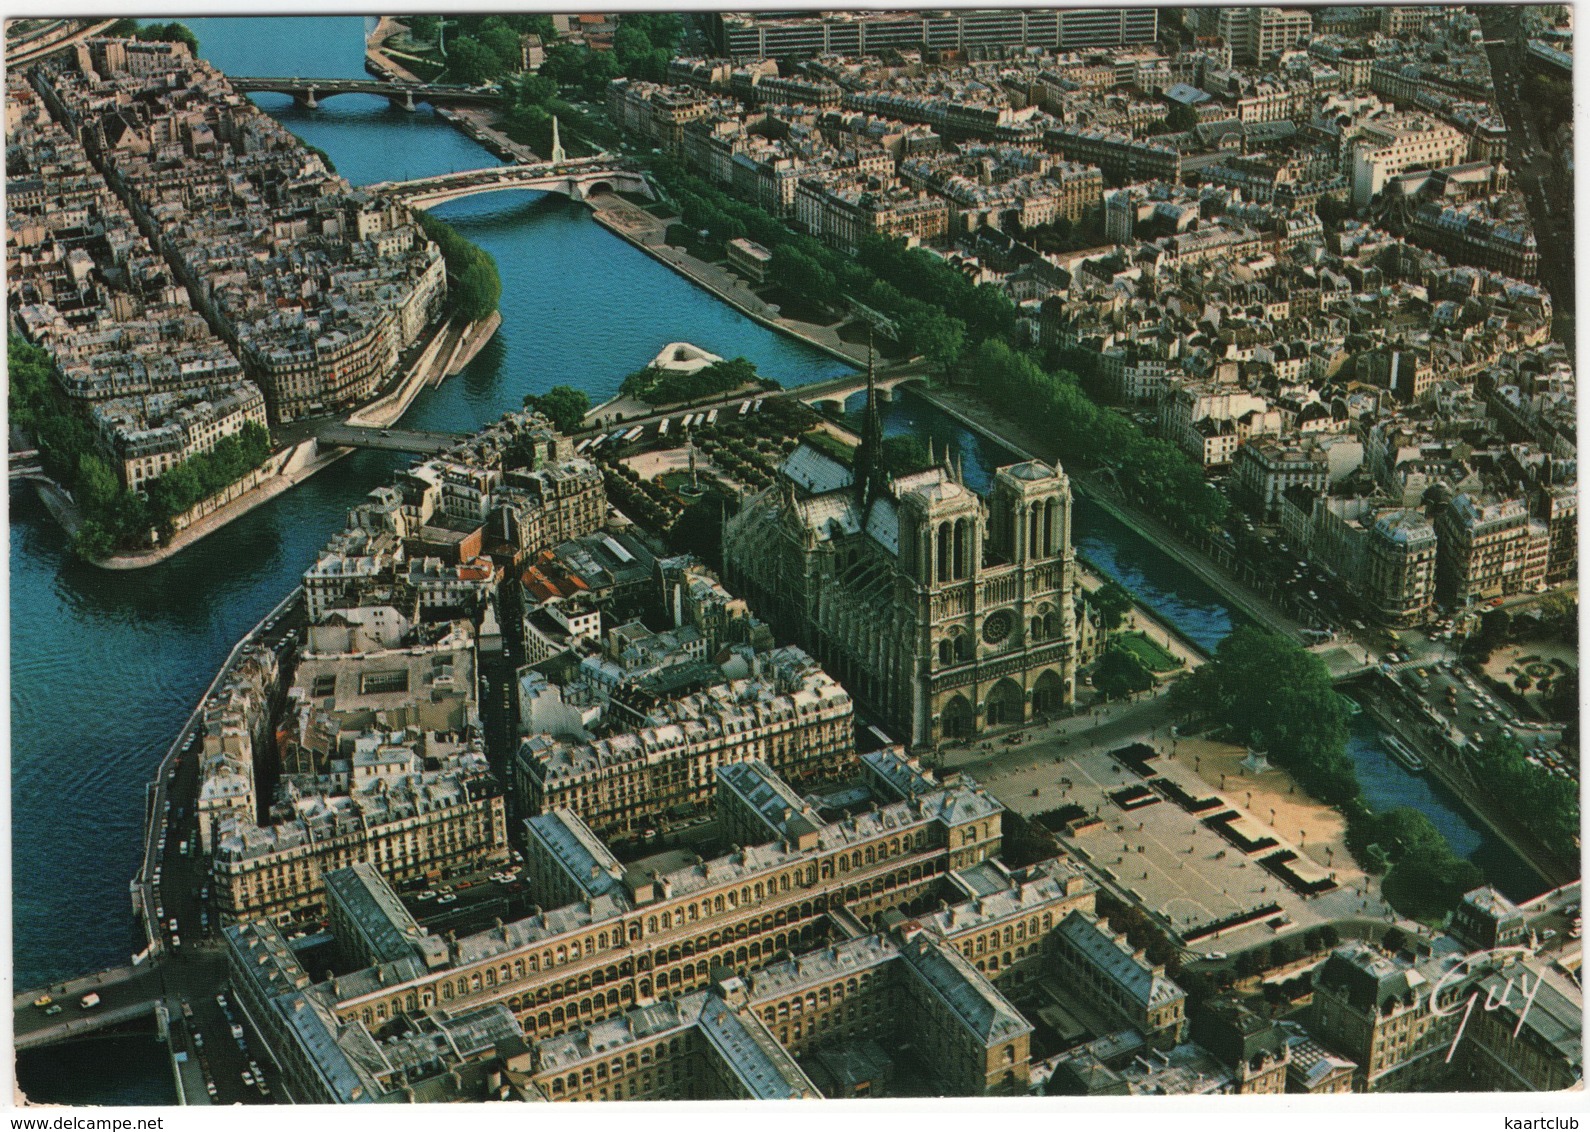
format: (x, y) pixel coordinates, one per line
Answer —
(943, 612)
(761, 35)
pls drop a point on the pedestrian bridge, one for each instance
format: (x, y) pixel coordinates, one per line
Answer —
(578, 180)
(310, 92)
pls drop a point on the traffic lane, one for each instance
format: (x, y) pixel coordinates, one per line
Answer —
(140, 988)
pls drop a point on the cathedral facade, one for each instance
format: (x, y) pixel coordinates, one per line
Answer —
(944, 613)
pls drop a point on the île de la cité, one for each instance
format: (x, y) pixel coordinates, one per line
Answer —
(793, 555)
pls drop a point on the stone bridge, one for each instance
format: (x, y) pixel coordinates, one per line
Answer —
(339, 434)
(578, 179)
(125, 994)
(407, 95)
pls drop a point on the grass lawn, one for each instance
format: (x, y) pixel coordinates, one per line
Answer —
(832, 445)
(1155, 658)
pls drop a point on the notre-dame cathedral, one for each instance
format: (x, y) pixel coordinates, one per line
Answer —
(943, 613)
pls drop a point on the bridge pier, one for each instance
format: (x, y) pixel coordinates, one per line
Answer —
(405, 103)
(307, 100)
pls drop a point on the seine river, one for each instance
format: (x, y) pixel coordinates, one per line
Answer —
(105, 666)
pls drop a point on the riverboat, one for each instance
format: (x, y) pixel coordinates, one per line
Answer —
(1401, 752)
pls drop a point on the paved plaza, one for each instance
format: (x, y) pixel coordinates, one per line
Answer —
(1161, 855)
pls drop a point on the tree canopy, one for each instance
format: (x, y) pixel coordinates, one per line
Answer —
(173, 32)
(1426, 879)
(667, 387)
(1120, 672)
(1278, 696)
(1113, 601)
(474, 287)
(563, 405)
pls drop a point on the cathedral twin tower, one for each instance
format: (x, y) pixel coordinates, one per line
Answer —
(943, 613)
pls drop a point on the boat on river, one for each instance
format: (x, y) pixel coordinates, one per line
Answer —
(1403, 754)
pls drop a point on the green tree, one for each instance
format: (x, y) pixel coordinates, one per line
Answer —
(93, 542)
(172, 32)
(1426, 879)
(471, 61)
(474, 287)
(1113, 601)
(904, 454)
(96, 486)
(563, 405)
(533, 90)
(802, 274)
(1119, 672)
(1271, 692)
(935, 336)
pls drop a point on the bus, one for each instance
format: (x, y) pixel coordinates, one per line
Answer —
(662, 429)
(712, 418)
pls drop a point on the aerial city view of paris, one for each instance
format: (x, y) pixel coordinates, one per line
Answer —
(784, 555)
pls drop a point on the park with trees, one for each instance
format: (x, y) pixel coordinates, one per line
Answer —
(657, 386)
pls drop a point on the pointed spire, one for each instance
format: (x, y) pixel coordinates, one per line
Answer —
(557, 155)
(931, 460)
(869, 475)
(960, 469)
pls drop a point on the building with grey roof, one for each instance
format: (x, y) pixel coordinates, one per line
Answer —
(1120, 982)
(566, 862)
(371, 924)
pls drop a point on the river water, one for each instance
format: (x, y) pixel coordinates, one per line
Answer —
(105, 666)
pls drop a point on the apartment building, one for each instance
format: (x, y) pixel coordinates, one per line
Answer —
(1489, 548)
(797, 719)
(409, 825)
(761, 35)
(1117, 981)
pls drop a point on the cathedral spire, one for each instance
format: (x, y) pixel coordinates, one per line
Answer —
(870, 477)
